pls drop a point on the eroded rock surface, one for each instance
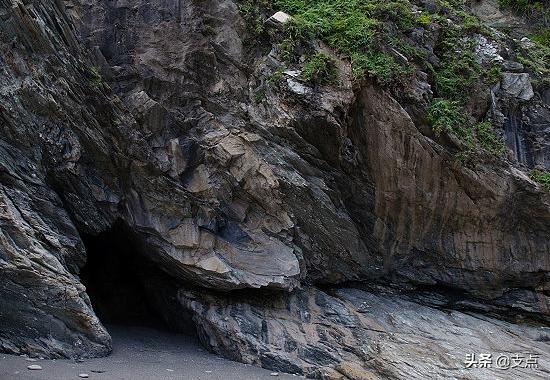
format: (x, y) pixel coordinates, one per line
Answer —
(159, 116)
(358, 334)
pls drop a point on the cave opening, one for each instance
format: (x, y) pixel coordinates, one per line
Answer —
(125, 287)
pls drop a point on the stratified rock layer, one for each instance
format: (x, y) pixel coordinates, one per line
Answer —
(359, 334)
(147, 114)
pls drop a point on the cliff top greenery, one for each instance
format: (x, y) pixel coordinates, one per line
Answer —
(537, 9)
(390, 40)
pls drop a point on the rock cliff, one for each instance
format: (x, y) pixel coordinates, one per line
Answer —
(270, 204)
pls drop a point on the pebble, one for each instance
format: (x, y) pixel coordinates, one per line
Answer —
(34, 367)
(274, 373)
(84, 375)
(169, 370)
(30, 359)
(208, 371)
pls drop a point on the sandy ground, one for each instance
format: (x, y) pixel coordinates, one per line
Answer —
(140, 354)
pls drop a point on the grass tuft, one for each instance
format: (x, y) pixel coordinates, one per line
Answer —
(320, 69)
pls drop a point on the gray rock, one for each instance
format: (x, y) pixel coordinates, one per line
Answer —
(383, 337)
(486, 51)
(512, 66)
(137, 116)
(517, 85)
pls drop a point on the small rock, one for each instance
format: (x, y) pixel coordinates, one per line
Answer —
(297, 87)
(208, 371)
(84, 375)
(169, 370)
(279, 18)
(34, 367)
(30, 359)
(292, 73)
(274, 373)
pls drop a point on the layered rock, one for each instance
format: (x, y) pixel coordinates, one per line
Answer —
(158, 116)
(350, 333)
(45, 124)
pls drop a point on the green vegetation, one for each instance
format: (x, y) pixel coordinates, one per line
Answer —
(259, 96)
(488, 139)
(495, 74)
(459, 70)
(446, 115)
(97, 79)
(320, 69)
(424, 19)
(542, 177)
(537, 59)
(356, 29)
(542, 37)
(276, 77)
(380, 65)
(252, 13)
(530, 8)
(376, 37)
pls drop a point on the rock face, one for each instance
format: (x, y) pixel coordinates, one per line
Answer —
(358, 334)
(46, 125)
(158, 116)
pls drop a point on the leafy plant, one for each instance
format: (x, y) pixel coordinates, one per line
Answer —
(488, 139)
(494, 74)
(459, 69)
(97, 79)
(251, 11)
(424, 19)
(542, 37)
(445, 115)
(542, 177)
(276, 77)
(259, 96)
(287, 48)
(538, 9)
(381, 66)
(320, 68)
(354, 28)
(537, 59)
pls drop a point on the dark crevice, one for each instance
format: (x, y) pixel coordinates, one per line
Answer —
(126, 288)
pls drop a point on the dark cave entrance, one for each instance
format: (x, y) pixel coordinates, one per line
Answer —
(124, 286)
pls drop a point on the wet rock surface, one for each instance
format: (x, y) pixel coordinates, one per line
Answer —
(144, 117)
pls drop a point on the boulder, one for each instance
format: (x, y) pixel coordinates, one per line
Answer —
(517, 85)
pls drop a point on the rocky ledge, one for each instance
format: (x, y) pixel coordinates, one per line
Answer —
(244, 195)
